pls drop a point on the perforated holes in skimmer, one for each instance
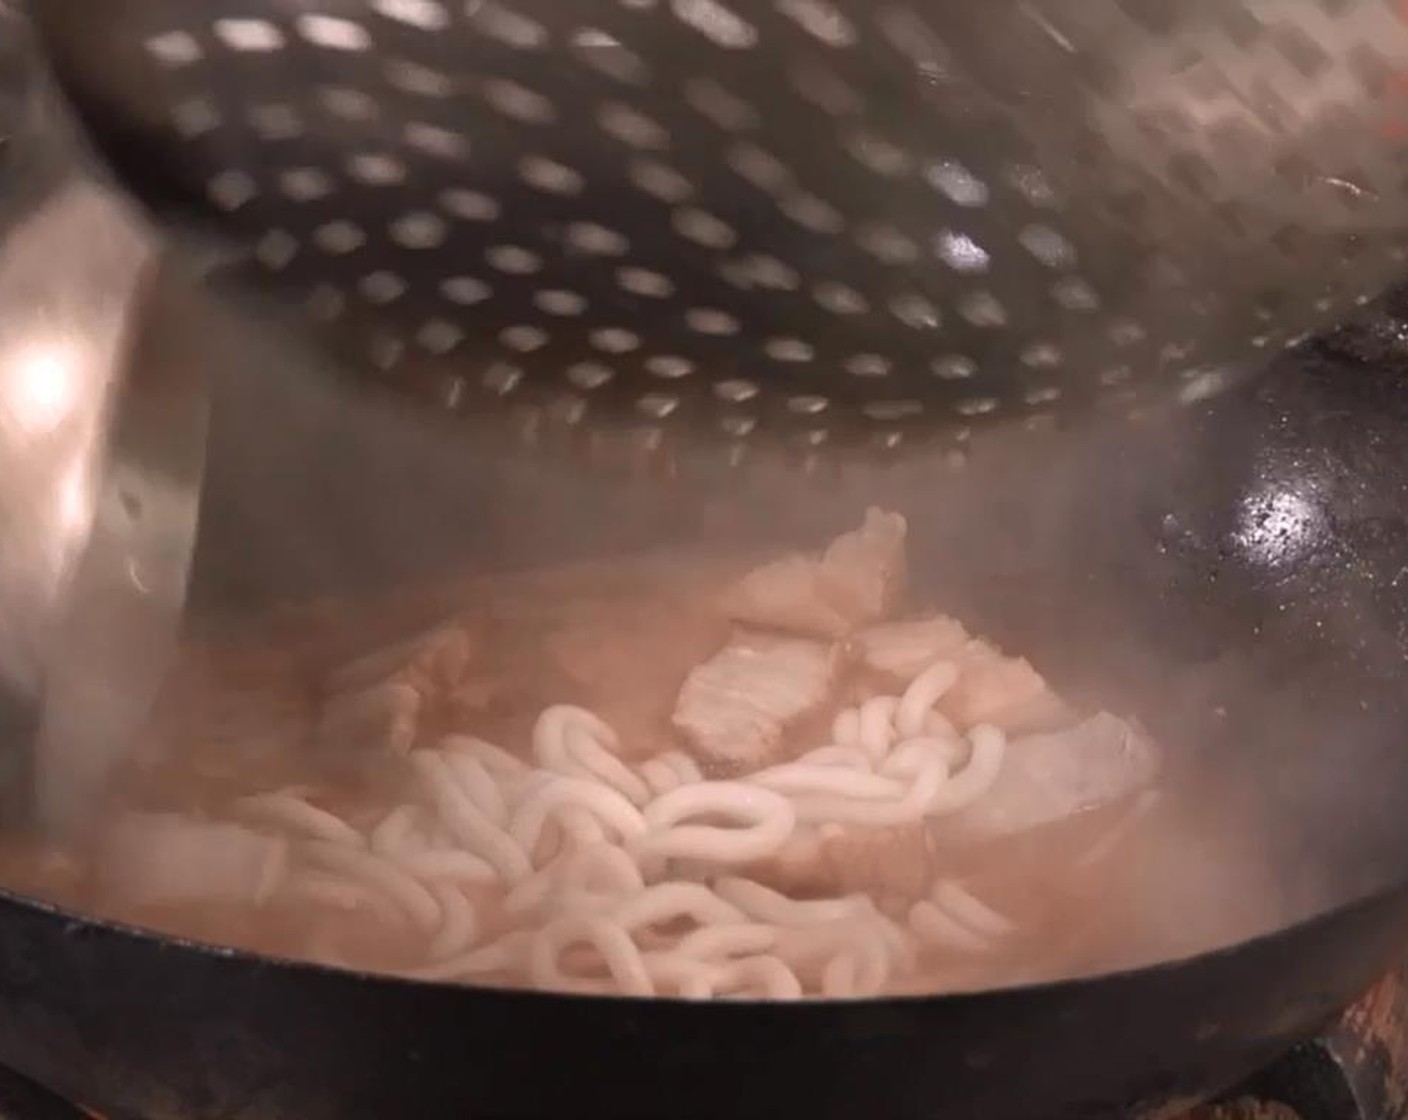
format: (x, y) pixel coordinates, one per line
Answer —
(740, 205)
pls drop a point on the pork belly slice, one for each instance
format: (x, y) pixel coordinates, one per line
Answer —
(894, 865)
(382, 718)
(866, 568)
(790, 595)
(375, 703)
(1054, 776)
(431, 662)
(859, 579)
(991, 687)
(627, 663)
(1005, 691)
(734, 708)
(799, 868)
(903, 650)
(162, 858)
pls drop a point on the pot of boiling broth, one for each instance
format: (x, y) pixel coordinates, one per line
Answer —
(1221, 873)
(1055, 770)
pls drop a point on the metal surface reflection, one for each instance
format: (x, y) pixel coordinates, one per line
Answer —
(97, 500)
(1279, 526)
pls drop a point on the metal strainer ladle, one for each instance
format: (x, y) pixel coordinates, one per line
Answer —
(829, 221)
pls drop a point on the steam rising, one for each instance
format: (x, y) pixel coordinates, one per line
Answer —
(1109, 554)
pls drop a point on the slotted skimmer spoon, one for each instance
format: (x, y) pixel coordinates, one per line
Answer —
(826, 221)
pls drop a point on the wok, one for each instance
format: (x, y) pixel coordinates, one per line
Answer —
(1230, 572)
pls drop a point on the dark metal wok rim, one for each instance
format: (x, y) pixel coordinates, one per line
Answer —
(76, 923)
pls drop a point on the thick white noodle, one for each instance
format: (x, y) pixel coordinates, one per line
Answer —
(726, 940)
(459, 925)
(337, 892)
(274, 873)
(438, 837)
(912, 756)
(976, 778)
(840, 979)
(659, 775)
(687, 769)
(613, 945)
(860, 969)
(877, 725)
(911, 808)
(381, 874)
(594, 760)
(764, 904)
(602, 869)
(531, 894)
(668, 902)
(518, 790)
(926, 690)
(570, 901)
(896, 938)
(689, 977)
(636, 878)
(934, 926)
(843, 757)
(577, 828)
(479, 785)
(939, 726)
(394, 835)
(812, 952)
(576, 743)
(606, 805)
(500, 762)
(798, 778)
(766, 820)
(550, 733)
(878, 955)
(475, 831)
(449, 865)
(294, 814)
(845, 728)
(964, 907)
(507, 955)
(762, 977)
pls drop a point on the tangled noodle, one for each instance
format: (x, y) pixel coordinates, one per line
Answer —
(582, 872)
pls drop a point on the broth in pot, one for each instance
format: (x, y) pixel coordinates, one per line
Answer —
(662, 775)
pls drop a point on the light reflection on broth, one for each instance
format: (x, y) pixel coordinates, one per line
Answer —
(659, 775)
